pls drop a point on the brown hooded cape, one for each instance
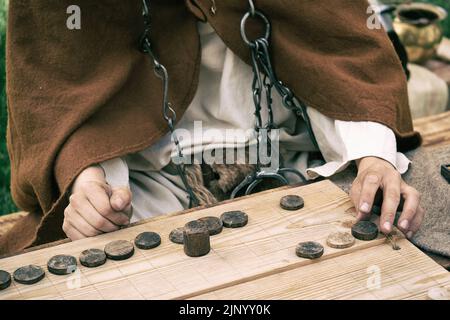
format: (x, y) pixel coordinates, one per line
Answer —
(78, 97)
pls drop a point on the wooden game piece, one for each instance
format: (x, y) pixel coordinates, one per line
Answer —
(92, 258)
(214, 225)
(438, 293)
(340, 240)
(234, 219)
(5, 280)
(29, 274)
(119, 250)
(147, 240)
(62, 264)
(176, 235)
(196, 239)
(365, 230)
(292, 202)
(309, 250)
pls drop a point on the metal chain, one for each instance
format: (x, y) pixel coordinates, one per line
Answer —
(263, 83)
(264, 80)
(213, 8)
(169, 113)
(261, 56)
(261, 86)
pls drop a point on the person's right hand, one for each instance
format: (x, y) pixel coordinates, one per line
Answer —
(94, 207)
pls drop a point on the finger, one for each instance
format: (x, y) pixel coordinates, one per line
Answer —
(412, 201)
(355, 193)
(121, 199)
(72, 233)
(76, 220)
(97, 195)
(391, 200)
(371, 184)
(416, 222)
(87, 211)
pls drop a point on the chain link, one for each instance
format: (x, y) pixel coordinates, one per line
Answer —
(213, 8)
(252, 9)
(264, 80)
(168, 111)
(261, 56)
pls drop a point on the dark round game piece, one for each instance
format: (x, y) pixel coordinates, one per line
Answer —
(92, 258)
(176, 235)
(213, 224)
(5, 280)
(309, 250)
(62, 264)
(365, 230)
(234, 219)
(29, 274)
(119, 250)
(147, 240)
(196, 239)
(292, 202)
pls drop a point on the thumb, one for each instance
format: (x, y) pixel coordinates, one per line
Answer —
(121, 199)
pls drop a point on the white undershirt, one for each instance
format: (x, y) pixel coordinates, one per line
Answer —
(223, 100)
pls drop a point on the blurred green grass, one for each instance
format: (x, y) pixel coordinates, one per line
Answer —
(446, 5)
(443, 3)
(6, 203)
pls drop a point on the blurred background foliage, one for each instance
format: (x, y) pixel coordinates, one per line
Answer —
(443, 3)
(446, 5)
(6, 203)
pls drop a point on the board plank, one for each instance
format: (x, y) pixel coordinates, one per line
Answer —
(435, 130)
(249, 256)
(351, 276)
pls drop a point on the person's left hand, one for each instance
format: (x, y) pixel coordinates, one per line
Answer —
(375, 173)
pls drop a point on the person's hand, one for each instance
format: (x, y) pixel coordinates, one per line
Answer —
(375, 173)
(94, 207)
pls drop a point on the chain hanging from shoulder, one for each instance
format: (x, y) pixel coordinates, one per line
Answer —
(264, 80)
(169, 113)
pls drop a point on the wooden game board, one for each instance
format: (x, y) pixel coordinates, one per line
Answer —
(257, 261)
(435, 130)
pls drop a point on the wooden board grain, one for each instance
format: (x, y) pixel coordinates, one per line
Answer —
(402, 274)
(435, 130)
(252, 256)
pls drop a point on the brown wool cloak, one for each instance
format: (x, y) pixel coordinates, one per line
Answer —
(78, 97)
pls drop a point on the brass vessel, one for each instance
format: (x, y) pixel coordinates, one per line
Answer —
(418, 26)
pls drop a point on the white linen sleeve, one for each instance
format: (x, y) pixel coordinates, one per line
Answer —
(344, 141)
(116, 172)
